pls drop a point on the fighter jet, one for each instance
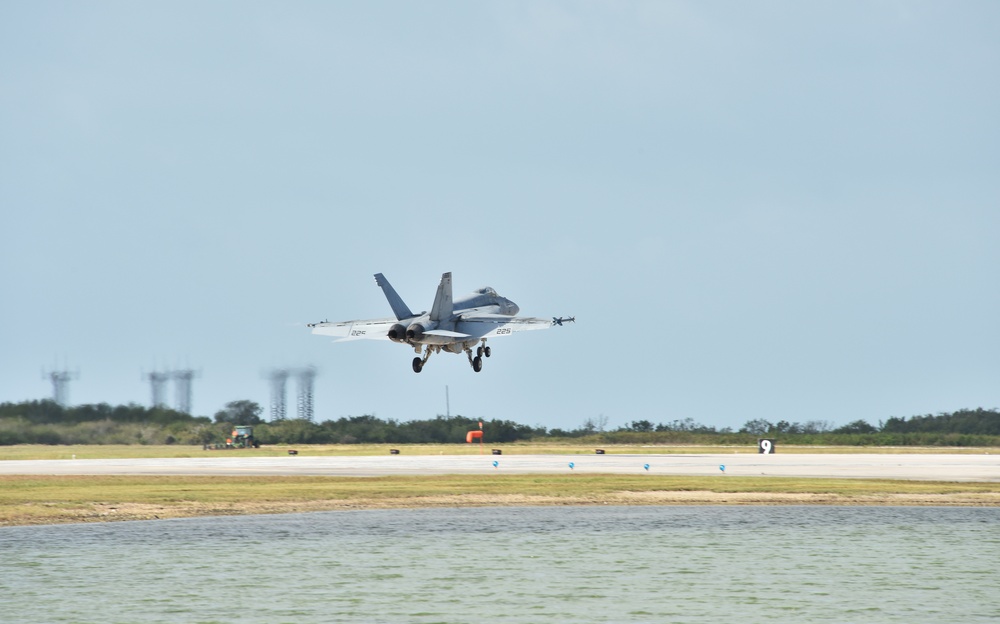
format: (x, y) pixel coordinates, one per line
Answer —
(454, 326)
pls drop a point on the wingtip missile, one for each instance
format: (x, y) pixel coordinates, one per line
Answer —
(560, 320)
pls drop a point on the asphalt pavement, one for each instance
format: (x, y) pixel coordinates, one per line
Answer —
(924, 467)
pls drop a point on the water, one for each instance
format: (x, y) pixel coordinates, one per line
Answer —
(525, 565)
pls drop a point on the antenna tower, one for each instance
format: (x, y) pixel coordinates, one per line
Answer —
(60, 384)
(279, 378)
(305, 403)
(157, 383)
(182, 386)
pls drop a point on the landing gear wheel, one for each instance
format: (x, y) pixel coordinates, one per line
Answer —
(486, 351)
(418, 365)
(477, 363)
(479, 351)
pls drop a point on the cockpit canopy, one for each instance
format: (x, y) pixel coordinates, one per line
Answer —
(486, 290)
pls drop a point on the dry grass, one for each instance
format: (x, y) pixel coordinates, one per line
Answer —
(60, 499)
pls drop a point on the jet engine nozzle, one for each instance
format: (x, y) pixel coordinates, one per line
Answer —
(397, 333)
(415, 332)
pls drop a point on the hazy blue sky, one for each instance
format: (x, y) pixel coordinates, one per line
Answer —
(777, 210)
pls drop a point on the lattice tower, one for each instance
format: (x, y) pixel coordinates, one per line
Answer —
(279, 379)
(158, 385)
(182, 387)
(305, 399)
(60, 385)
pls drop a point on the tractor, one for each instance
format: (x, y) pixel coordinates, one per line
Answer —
(242, 437)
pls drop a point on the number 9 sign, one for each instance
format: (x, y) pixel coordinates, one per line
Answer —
(765, 446)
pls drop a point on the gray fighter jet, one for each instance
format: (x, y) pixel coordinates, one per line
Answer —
(454, 326)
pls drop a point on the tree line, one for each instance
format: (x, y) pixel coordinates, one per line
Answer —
(46, 422)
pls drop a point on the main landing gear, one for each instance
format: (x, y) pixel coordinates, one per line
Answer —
(476, 362)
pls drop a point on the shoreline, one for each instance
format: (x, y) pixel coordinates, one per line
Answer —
(60, 491)
(50, 514)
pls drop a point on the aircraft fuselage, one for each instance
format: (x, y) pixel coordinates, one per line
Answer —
(452, 325)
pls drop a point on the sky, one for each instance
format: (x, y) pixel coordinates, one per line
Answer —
(755, 210)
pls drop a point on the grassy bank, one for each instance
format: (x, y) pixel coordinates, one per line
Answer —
(28, 500)
(60, 499)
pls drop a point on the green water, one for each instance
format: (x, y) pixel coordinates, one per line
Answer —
(571, 564)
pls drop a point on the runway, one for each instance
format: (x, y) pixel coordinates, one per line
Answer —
(917, 467)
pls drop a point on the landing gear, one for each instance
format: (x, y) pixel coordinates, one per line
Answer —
(476, 362)
(418, 363)
(483, 349)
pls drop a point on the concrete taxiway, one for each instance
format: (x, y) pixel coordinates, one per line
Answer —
(936, 467)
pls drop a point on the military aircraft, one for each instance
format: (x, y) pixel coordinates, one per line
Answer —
(452, 325)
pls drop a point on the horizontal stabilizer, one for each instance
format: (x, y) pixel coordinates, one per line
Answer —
(446, 333)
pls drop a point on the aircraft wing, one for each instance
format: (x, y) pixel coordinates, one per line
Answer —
(373, 329)
(491, 325)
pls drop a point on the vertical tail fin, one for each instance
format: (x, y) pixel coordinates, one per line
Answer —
(443, 305)
(400, 309)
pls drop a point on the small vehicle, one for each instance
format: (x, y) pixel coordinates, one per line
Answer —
(242, 437)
